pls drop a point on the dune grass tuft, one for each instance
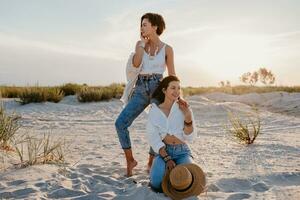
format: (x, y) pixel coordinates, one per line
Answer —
(89, 95)
(71, 88)
(39, 94)
(100, 93)
(245, 131)
(95, 94)
(116, 89)
(8, 128)
(11, 92)
(237, 90)
(30, 150)
(45, 150)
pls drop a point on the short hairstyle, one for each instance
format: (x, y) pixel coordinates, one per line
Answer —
(155, 20)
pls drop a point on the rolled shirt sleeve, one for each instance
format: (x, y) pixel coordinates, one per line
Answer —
(154, 137)
(190, 137)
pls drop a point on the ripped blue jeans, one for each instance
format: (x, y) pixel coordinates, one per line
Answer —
(141, 98)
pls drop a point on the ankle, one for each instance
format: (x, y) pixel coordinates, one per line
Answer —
(129, 160)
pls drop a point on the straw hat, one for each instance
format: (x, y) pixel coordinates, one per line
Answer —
(183, 181)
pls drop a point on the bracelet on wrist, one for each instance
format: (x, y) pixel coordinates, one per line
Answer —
(167, 158)
(188, 123)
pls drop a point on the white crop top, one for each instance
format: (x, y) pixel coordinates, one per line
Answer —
(156, 65)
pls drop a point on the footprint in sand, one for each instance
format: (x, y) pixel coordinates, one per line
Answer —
(2, 186)
(234, 185)
(238, 196)
(22, 193)
(284, 179)
(213, 188)
(64, 193)
(85, 171)
(16, 182)
(260, 187)
(107, 180)
(43, 187)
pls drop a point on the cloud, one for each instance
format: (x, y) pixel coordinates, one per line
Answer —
(190, 31)
(287, 34)
(17, 43)
(54, 68)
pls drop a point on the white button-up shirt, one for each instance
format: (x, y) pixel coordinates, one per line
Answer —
(159, 125)
(132, 76)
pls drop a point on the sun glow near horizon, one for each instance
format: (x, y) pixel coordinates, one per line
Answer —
(82, 42)
(229, 54)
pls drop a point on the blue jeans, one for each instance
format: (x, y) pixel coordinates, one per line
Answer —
(141, 98)
(180, 154)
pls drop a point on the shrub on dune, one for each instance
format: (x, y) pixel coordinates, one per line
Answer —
(95, 94)
(245, 131)
(8, 128)
(117, 89)
(54, 95)
(107, 93)
(30, 150)
(38, 95)
(33, 95)
(70, 88)
(45, 150)
(89, 95)
(10, 92)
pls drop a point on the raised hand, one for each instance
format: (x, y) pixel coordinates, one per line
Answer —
(184, 107)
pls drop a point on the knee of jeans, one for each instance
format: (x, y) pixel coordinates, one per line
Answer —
(120, 124)
(156, 189)
(156, 184)
(155, 180)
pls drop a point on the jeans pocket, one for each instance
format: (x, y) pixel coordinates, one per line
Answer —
(186, 148)
(138, 88)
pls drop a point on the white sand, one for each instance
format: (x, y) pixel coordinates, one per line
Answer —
(268, 169)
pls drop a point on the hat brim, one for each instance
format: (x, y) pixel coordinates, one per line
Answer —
(195, 189)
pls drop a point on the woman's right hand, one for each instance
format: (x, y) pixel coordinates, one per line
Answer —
(170, 165)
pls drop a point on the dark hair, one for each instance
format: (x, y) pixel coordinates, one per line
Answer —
(158, 93)
(155, 20)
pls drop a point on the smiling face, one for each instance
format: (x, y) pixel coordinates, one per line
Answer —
(147, 29)
(172, 92)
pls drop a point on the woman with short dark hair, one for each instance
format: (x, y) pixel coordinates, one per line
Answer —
(151, 58)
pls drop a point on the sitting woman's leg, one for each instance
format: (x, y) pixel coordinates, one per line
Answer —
(184, 159)
(183, 156)
(157, 173)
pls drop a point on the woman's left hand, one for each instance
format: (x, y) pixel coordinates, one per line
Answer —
(182, 101)
(184, 107)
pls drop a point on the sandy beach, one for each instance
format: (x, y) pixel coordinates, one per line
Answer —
(95, 169)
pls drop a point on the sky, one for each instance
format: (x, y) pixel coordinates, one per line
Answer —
(88, 41)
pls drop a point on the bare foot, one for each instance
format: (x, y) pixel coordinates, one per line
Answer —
(130, 166)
